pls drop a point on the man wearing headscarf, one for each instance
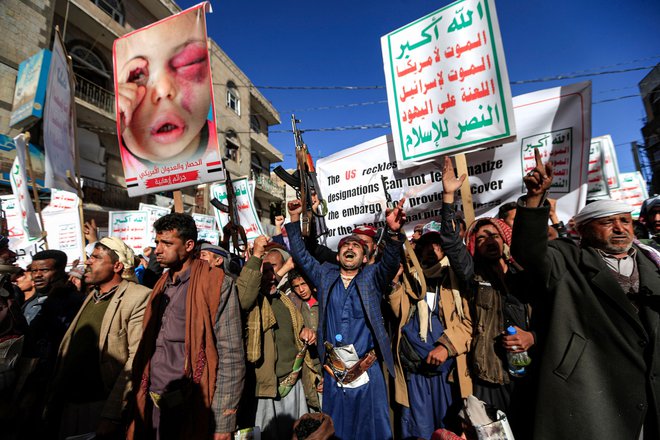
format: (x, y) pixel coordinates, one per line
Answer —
(598, 305)
(92, 376)
(649, 215)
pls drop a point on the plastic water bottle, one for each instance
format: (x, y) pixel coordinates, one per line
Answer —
(338, 340)
(517, 361)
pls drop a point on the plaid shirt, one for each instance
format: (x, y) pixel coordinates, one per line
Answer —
(231, 359)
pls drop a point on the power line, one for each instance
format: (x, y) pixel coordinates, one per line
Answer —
(331, 107)
(579, 75)
(615, 99)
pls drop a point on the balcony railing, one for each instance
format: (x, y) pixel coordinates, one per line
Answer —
(95, 95)
(266, 184)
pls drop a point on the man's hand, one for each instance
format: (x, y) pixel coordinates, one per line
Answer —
(146, 251)
(260, 246)
(538, 181)
(553, 211)
(279, 222)
(222, 436)
(437, 356)
(295, 209)
(89, 230)
(521, 341)
(450, 183)
(286, 268)
(308, 335)
(396, 217)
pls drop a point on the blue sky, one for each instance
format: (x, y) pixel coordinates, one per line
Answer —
(310, 43)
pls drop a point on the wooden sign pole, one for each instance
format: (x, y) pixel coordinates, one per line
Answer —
(178, 201)
(466, 194)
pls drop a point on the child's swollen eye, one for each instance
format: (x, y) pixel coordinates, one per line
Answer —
(137, 75)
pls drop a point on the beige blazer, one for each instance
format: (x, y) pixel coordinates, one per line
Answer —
(121, 331)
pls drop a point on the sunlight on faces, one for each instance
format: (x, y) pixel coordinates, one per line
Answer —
(351, 255)
(170, 61)
(213, 259)
(24, 282)
(369, 241)
(99, 267)
(171, 250)
(489, 243)
(613, 234)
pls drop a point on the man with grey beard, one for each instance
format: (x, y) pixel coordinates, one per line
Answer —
(597, 312)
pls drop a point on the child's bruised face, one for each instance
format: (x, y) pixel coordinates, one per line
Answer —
(167, 68)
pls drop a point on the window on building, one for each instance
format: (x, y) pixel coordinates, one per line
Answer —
(232, 146)
(256, 166)
(113, 8)
(89, 65)
(233, 98)
(255, 125)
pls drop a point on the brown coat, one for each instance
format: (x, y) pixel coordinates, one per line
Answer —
(121, 331)
(457, 330)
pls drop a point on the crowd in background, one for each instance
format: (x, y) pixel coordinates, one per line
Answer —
(384, 337)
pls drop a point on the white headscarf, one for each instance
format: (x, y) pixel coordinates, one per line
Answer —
(600, 209)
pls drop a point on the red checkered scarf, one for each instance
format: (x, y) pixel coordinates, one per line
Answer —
(502, 228)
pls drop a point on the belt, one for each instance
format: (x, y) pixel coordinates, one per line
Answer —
(343, 375)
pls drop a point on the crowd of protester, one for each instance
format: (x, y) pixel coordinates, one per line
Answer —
(383, 338)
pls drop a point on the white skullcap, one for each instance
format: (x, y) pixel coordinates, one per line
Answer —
(600, 209)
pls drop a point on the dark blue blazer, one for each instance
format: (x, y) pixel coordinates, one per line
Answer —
(371, 282)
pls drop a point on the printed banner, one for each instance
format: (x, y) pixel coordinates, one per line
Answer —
(204, 222)
(65, 233)
(247, 214)
(556, 121)
(209, 235)
(632, 191)
(59, 122)
(447, 84)
(132, 227)
(610, 162)
(19, 186)
(164, 102)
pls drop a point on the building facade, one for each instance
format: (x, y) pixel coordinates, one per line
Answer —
(649, 88)
(89, 28)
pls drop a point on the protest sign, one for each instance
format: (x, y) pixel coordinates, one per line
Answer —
(154, 212)
(19, 187)
(30, 92)
(131, 226)
(170, 141)
(204, 222)
(447, 84)
(632, 190)
(610, 162)
(247, 214)
(65, 233)
(59, 122)
(556, 121)
(62, 200)
(210, 235)
(597, 187)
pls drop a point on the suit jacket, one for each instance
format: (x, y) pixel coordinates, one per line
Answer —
(121, 331)
(372, 282)
(599, 357)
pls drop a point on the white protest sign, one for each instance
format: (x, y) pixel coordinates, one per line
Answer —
(204, 222)
(597, 185)
(447, 84)
(19, 186)
(59, 121)
(610, 162)
(247, 214)
(632, 190)
(62, 200)
(556, 121)
(64, 233)
(154, 212)
(130, 226)
(209, 235)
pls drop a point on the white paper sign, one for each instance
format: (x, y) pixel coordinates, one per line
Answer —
(132, 227)
(59, 122)
(62, 200)
(65, 233)
(556, 121)
(631, 191)
(447, 84)
(204, 222)
(247, 214)
(154, 212)
(597, 188)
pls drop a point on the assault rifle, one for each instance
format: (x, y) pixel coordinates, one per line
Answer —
(232, 229)
(304, 181)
